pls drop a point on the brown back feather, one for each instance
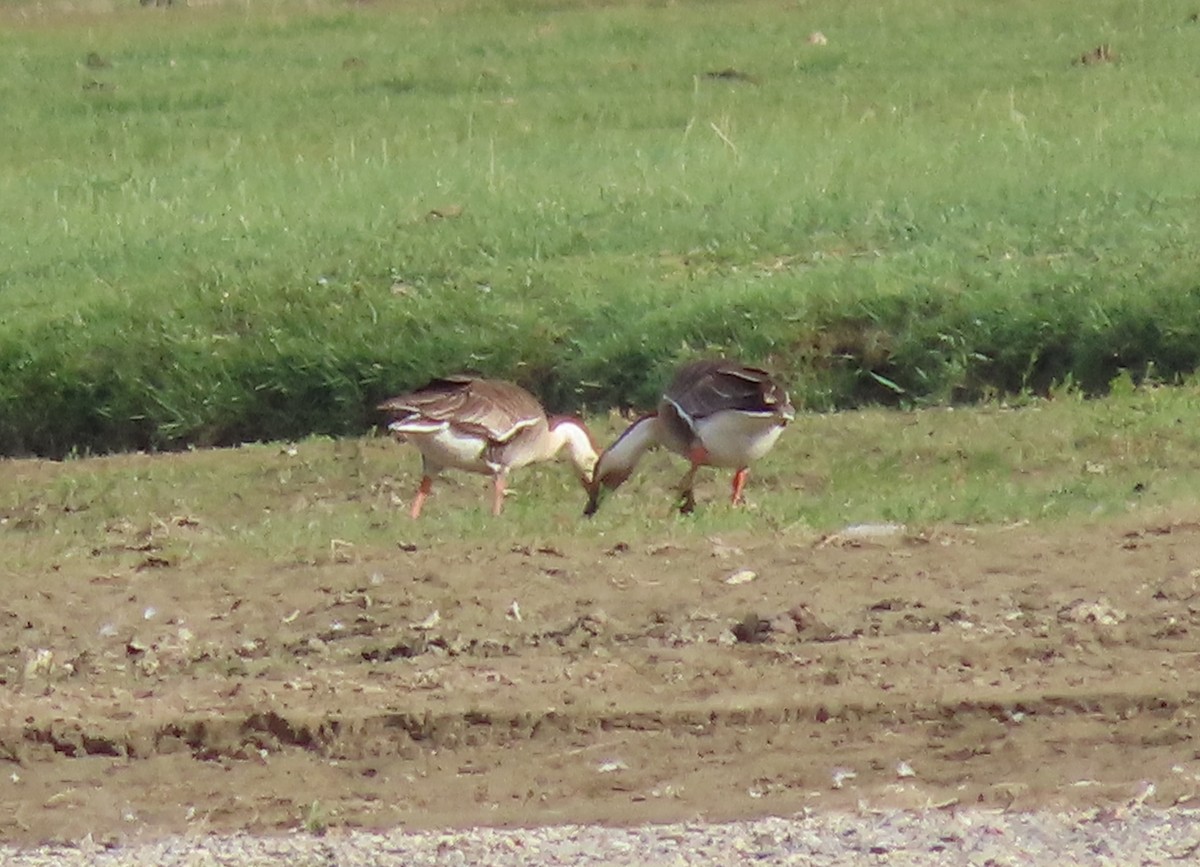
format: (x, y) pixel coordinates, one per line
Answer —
(492, 408)
(703, 388)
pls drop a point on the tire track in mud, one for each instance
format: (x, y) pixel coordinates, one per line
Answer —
(239, 736)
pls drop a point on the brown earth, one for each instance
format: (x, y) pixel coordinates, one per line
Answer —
(1019, 667)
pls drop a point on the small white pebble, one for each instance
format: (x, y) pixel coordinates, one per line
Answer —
(871, 531)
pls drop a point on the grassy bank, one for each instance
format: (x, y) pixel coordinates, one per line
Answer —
(1134, 452)
(255, 220)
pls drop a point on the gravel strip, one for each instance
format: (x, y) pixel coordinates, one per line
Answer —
(1136, 835)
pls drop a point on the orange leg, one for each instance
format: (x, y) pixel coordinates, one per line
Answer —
(498, 494)
(698, 455)
(422, 493)
(739, 482)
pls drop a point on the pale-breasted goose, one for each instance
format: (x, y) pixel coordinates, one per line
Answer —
(714, 413)
(484, 426)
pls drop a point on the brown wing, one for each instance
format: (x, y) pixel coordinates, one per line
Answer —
(703, 388)
(492, 408)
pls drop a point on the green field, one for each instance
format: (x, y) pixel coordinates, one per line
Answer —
(251, 220)
(1059, 462)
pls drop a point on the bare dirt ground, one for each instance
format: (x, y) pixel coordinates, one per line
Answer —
(1019, 667)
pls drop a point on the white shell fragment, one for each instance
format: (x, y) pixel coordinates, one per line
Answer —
(839, 776)
(41, 661)
(429, 622)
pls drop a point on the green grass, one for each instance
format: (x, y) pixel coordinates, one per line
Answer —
(321, 501)
(253, 221)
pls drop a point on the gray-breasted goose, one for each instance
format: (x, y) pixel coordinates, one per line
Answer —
(483, 426)
(714, 413)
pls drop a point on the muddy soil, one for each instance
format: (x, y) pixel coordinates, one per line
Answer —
(606, 681)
